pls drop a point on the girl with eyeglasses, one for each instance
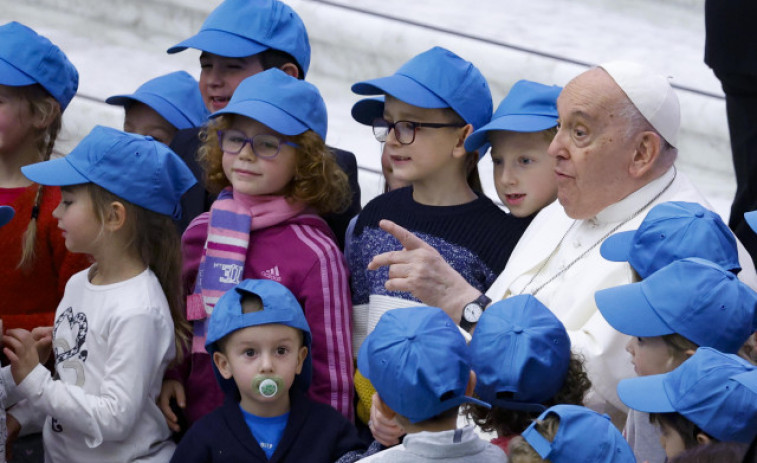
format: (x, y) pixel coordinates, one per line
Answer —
(431, 105)
(264, 154)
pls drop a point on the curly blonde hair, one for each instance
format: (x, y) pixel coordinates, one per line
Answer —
(318, 180)
(522, 452)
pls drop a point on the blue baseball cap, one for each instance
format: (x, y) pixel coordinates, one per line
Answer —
(713, 390)
(751, 219)
(367, 110)
(239, 28)
(528, 107)
(520, 352)
(418, 361)
(437, 78)
(288, 105)
(27, 58)
(582, 435)
(6, 214)
(279, 307)
(693, 297)
(133, 167)
(175, 96)
(671, 231)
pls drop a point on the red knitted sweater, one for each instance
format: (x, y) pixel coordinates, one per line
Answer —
(29, 298)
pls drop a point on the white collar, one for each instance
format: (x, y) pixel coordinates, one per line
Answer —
(619, 211)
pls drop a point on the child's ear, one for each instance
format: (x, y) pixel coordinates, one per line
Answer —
(459, 150)
(302, 355)
(471, 384)
(116, 216)
(222, 363)
(43, 119)
(291, 69)
(703, 439)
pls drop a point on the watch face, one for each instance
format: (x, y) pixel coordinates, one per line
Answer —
(472, 312)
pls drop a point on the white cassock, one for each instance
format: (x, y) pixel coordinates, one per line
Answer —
(570, 295)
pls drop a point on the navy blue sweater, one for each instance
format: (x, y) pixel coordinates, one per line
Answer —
(475, 238)
(314, 433)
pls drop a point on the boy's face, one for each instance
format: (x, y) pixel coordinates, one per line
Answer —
(143, 120)
(671, 441)
(429, 158)
(650, 356)
(220, 76)
(271, 350)
(524, 174)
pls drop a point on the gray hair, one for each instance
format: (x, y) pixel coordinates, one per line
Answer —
(638, 123)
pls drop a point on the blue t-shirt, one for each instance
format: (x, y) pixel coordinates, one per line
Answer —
(267, 431)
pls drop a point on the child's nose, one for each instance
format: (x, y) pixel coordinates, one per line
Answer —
(631, 345)
(266, 362)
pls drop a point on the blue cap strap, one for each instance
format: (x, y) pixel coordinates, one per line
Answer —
(538, 442)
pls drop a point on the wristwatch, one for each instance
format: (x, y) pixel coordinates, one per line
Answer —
(472, 312)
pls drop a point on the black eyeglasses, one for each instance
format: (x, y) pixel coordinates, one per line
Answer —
(263, 145)
(404, 131)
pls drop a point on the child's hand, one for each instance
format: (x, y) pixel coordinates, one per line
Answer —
(384, 430)
(171, 389)
(21, 350)
(43, 337)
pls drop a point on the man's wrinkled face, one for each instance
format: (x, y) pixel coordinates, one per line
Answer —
(592, 148)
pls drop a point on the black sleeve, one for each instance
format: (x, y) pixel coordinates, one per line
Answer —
(338, 222)
(194, 447)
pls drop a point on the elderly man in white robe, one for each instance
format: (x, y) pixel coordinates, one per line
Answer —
(615, 153)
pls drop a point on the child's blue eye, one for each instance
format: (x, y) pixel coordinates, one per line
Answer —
(249, 352)
(526, 161)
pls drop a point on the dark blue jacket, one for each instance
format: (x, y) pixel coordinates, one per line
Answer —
(314, 433)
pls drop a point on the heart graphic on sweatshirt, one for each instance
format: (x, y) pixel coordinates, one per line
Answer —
(69, 334)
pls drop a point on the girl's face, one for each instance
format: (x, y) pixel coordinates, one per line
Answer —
(254, 176)
(82, 231)
(524, 174)
(16, 128)
(650, 356)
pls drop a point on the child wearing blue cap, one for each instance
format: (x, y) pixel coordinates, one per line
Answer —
(687, 304)
(261, 345)
(568, 434)
(162, 106)
(432, 103)
(120, 322)
(239, 39)
(520, 133)
(37, 82)
(265, 154)
(420, 364)
(711, 397)
(523, 363)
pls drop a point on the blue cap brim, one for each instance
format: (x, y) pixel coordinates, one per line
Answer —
(514, 123)
(645, 394)
(57, 172)
(402, 88)
(367, 110)
(220, 43)
(12, 76)
(6, 214)
(627, 310)
(165, 109)
(267, 114)
(617, 247)
(751, 219)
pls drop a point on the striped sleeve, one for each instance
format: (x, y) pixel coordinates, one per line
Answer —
(328, 310)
